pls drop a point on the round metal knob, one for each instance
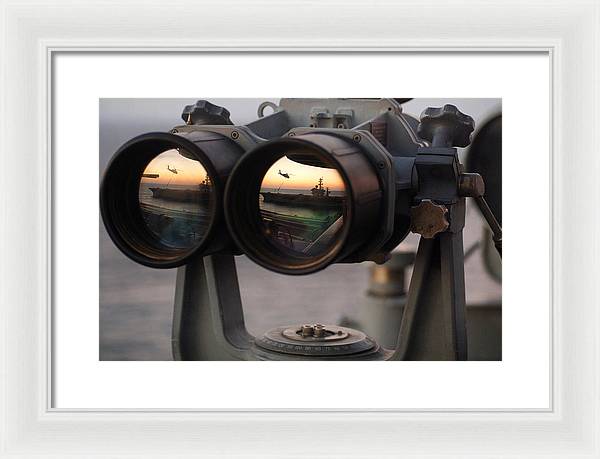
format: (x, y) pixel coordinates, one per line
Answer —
(428, 219)
(446, 126)
(203, 112)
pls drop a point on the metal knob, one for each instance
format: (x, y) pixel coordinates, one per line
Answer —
(471, 185)
(446, 126)
(203, 112)
(428, 219)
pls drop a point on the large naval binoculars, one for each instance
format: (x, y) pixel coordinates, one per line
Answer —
(315, 182)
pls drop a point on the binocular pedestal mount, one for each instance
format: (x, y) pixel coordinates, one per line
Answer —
(209, 324)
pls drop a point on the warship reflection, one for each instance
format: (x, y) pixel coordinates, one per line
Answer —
(302, 206)
(175, 197)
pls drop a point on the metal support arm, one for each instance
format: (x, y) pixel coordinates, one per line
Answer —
(208, 321)
(433, 326)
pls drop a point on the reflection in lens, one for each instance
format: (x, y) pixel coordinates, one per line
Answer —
(302, 206)
(175, 199)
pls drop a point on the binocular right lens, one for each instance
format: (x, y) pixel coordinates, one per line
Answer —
(297, 204)
(302, 206)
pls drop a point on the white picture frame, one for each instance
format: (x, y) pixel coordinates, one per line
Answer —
(33, 31)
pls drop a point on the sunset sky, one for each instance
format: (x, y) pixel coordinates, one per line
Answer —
(302, 177)
(189, 172)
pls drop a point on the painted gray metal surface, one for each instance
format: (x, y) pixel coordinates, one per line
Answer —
(208, 318)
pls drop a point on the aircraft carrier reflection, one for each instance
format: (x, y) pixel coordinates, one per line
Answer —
(177, 210)
(301, 223)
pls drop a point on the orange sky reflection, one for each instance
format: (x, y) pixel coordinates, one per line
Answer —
(302, 177)
(189, 172)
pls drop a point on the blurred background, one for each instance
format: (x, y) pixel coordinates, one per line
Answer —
(136, 302)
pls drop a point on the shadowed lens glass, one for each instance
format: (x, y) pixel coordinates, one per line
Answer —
(302, 205)
(175, 199)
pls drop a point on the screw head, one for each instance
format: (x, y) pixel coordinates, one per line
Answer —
(356, 137)
(319, 331)
(235, 135)
(307, 330)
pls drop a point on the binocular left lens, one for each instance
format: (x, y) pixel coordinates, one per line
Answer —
(161, 196)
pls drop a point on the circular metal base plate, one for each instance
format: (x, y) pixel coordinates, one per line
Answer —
(338, 341)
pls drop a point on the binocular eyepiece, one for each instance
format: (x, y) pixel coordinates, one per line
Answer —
(161, 198)
(314, 183)
(330, 210)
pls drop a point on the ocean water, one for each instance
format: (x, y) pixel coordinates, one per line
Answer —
(136, 303)
(299, 211)
(177, 223)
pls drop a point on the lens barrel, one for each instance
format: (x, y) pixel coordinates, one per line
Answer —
(485, 157)
(161, 197)
(283, 224)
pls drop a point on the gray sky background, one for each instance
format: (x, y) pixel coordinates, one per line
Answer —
(121, 119)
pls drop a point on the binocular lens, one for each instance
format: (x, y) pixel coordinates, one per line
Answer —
(175, 197)
(161, 196)
(302, 205)
(297, 204)
(485, 157)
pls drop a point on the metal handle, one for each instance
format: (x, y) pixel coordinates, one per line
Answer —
(492, 222)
